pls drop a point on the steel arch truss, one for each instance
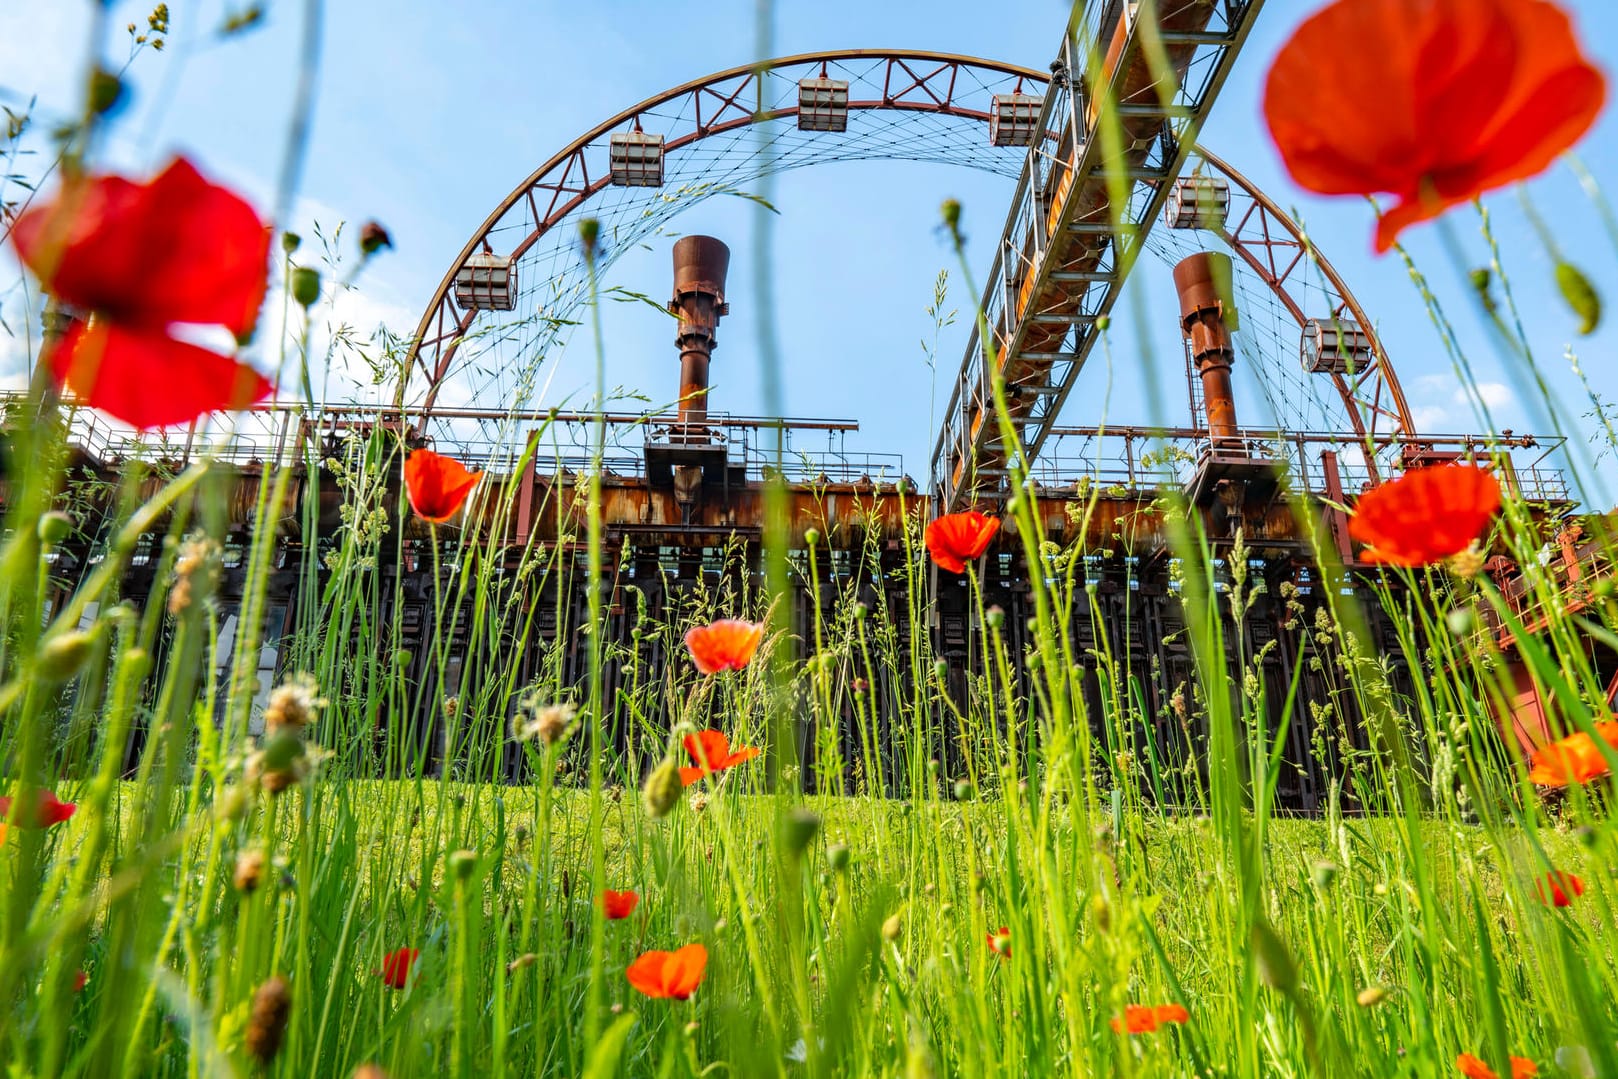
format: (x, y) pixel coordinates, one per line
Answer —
(932, 107)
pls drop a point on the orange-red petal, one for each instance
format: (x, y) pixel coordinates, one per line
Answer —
(1574, 759)
(147, 379)
(958, 538)
(396, 965)
(1559, 888)
(1473, 1068)
(438, 486)
(176, 249)
(665, 975)
(1425, 515)
(618, 905)
(1470, 95)
(724, 645)
(40, 809)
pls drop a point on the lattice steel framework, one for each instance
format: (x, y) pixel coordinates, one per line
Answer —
(726, 130)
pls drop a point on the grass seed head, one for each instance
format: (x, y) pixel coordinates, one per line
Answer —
(267, 1023)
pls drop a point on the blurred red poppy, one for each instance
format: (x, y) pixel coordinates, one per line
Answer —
(1000, 943)
(1426, 515)
(1473, 1068)
(438, 486)
(395, 972)
(39, 809)
(135, 260)
(958, 538)
(725, 645)
(665, 975)
(1459, 97)
(618, 904)
(1574, 759)
(712, 752)
(80, 980)
(1143, 1019)
(1559, 889)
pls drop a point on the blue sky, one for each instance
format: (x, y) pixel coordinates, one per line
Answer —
(429, 113)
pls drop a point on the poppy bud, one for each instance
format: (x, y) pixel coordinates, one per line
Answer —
(290, 242)
(403, 658)
(1103, 323)
(463, 863)
(267, 1022)
(1371, 996)
(106, 91)
(1323, 874)
(305, 286)
(893, 928)
(589, 233)
(1101, 910)
(249, 870)
(861, 612)
(941, 669)
(53, 527)
(1480, 280)
(837, 856)
(963, 790)
(951, 211)
(1580, 295)
(933, 766)
(662, 791)
(60, 657)
(994, 618)
(798, 830)
(812, 537)
(373, 237)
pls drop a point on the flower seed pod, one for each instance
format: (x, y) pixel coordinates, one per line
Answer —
(1580, 295)
(811, 537)
(53, 527)
(463, 863)
(61, 656)
(267, 1023)
(837, 856)
(249, 870)
(306, 286)
(662, 791)
(798, 830)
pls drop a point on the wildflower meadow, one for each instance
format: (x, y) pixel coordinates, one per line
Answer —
(779, 832)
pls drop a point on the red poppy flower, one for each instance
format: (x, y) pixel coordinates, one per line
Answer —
(139, 259)
(669, 975)
(80, 980)
(712, 752)
(40, 809)
(1574, 759)
(1459, 97)
(1000, 943)
(438, 486)
(395, 972)
(618, 904)
(1143, 1019)
(725, 645)
(1559, 889)
(1473, 1068)
(958, 538)
(1426, 515)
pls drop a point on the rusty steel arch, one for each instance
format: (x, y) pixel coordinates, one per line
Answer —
(1277, 250)
(912, 83)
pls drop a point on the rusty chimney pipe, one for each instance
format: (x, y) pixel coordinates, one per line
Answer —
(1208, 318)
(700, 263)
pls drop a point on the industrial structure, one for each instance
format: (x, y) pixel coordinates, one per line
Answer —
(1106, 169)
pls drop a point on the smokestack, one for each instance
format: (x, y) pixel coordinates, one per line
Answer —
(1207, 318)
(700, 263)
